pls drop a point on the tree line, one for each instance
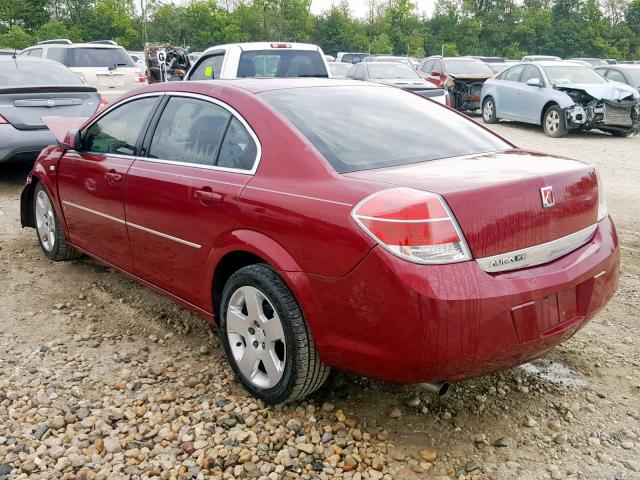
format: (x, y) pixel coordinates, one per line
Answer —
(509, 28)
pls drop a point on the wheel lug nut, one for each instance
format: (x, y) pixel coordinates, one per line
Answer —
(255, 344)
(251, 331)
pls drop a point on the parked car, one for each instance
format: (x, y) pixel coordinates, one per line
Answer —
(389, 59)
(332, 224)
(462, 76)
(339, 69)
(166, 63)
(27, 94)
(561, 96)
(138, 59)
(398, 75)
(540, 58)
(351, 57)
(594, 62)
(260, 59)
(103, 65)
(499, 66)
(629, 74)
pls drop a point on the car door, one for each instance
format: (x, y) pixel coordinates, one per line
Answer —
(182, 192)
(438, 80)
(531, 99)
(91, 181)
(507, 88)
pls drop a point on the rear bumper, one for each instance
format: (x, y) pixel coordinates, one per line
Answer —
(14, 142)
(407, 323)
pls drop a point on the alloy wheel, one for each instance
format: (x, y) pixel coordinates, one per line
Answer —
(45, 221)
(488, 110)
(553, 121)
(256, 337)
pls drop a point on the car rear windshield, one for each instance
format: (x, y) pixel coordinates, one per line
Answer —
(99, 57)
(562, 74)
(281, 63)
(341, 122)
(36, 74)
(395, 70)
(466, 67)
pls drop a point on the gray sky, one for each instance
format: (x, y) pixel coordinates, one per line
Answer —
(359, 7)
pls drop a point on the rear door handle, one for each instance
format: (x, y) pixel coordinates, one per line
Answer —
(207, 196)
(112, 176)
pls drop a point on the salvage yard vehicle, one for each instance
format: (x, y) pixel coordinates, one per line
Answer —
(594, 62)
(351, 57)
(31, 88)
(398, 75)
(441, 253)
(629, 74)
(561, 96)
(339, 69)
(540, 58)
(260, 60)
(101, 64)
(166, 62)
(462, 76)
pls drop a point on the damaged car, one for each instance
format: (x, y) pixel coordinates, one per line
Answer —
(561, 96)
(461, 76)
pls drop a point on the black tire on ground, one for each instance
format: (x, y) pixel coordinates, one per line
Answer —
(60, 250)
(618, 133)
(303, 371)
(489, 111)
(553, 122)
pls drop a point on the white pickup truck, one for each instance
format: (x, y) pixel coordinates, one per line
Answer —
(260, 60)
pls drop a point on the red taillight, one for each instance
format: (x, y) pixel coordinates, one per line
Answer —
(280, 45)
(139, 77)
(3, 121)
(412, 224)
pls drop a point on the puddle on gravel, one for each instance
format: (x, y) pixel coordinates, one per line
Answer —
(555, 373)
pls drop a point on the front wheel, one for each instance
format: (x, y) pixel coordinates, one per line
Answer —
(618, 133)
(266, 338)
(50, 234)
(489, 111)
(554, 123)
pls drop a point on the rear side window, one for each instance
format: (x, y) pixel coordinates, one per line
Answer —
(513, 74)
(36, 73)
(189, 131)
(281, 63)
(238, 149)
(99, 57)
(58, 54)
(118, 130)
(208, 68)
(406, 128)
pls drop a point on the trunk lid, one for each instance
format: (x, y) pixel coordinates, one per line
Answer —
(497, 199)
(24, 107)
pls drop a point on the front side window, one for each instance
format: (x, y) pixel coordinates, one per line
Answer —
(36, 52)
(529, 73)
(406, 128)
(281, 63)
(189, 131)
(209, 68)
(615, 76)
(347, 58)
(118, 130)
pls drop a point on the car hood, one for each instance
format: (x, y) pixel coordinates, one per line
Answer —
(613, 91)
(403, 82)
(471, 76)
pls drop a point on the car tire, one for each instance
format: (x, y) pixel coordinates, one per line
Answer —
(489, 111)
(553, 122)
(618, 133)
(50, 233)
(275, 362)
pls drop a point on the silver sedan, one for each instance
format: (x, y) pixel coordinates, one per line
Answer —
(561, 96)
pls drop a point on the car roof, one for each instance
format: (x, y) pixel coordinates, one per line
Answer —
(248, 46)
(23, 59)
(555, 63)
(621, 66)
(75, 45)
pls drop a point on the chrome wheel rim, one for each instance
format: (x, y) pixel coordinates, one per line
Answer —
(553, 121)
(488, 110)
(256, 337)
(45, 221)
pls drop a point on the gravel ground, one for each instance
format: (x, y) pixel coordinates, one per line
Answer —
(102, 378)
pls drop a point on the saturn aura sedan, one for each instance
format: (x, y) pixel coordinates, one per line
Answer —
(271, 208)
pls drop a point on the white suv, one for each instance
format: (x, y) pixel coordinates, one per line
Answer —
(260, 60)
(103, 65)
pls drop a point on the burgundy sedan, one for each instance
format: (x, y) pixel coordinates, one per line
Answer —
(332, 224)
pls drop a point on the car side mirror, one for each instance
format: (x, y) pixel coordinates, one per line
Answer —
(534, 82)
(436, 73)
(72, 139)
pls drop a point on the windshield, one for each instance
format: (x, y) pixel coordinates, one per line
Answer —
(31, 73)
(408, 128)
(281, 63)
(561, 74)
(397, 70)
(465, 67)
(99, 57)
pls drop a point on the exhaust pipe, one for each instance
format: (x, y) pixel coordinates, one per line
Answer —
(438, 388)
